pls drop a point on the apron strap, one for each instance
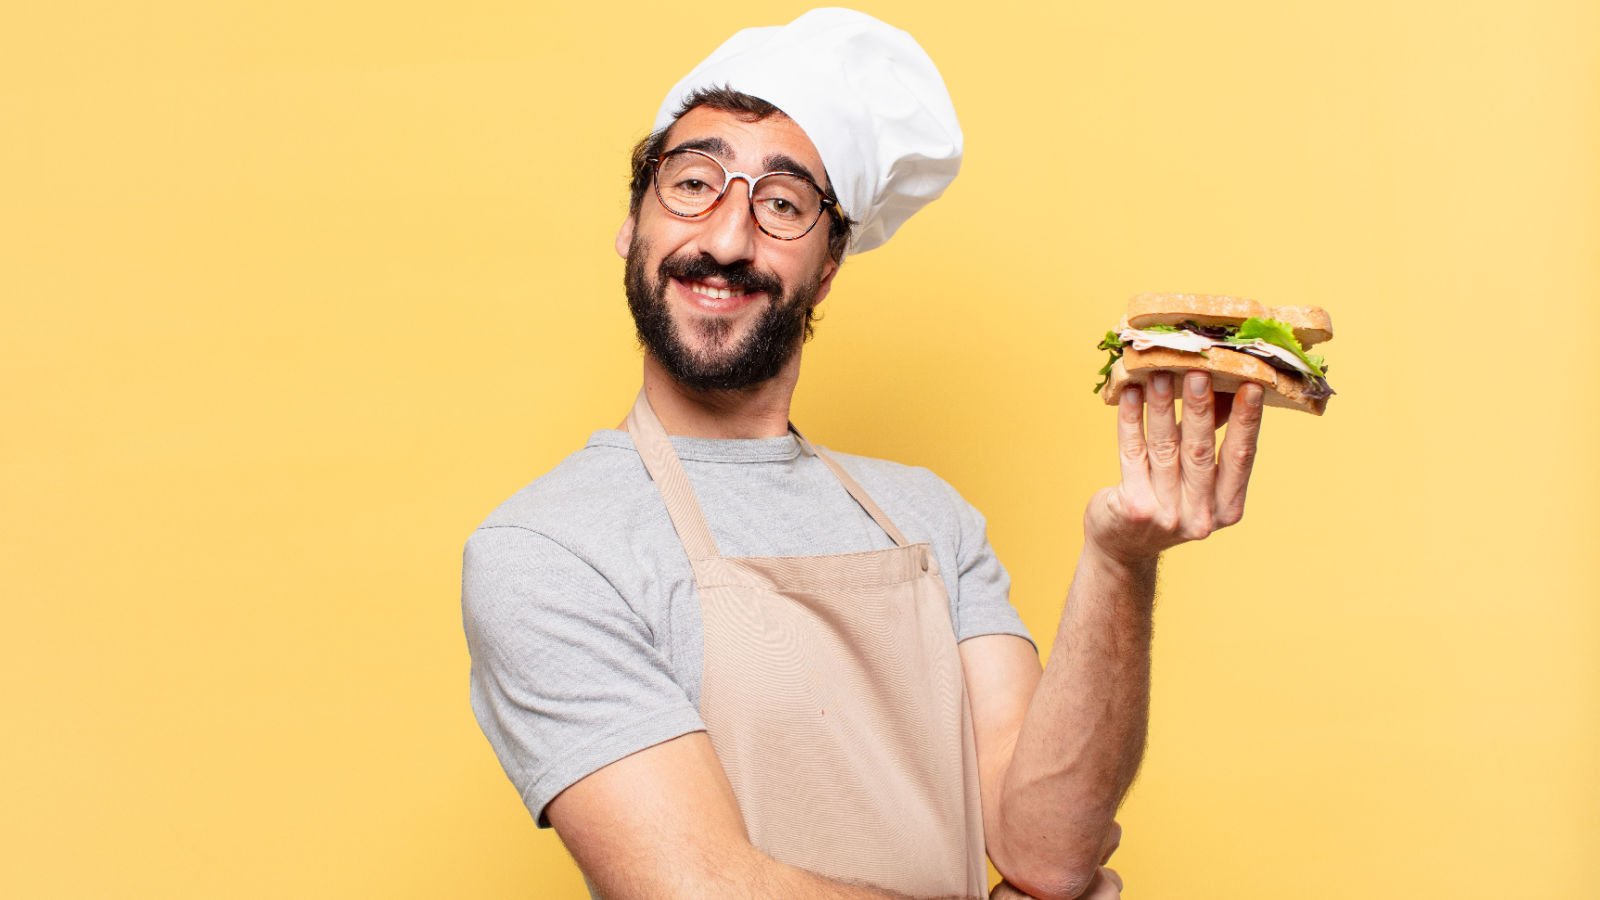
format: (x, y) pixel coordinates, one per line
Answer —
(855, 489)
(655, 449)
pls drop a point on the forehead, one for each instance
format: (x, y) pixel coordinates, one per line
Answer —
(749, 144)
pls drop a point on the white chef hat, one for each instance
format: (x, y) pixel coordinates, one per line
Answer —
(865, 93)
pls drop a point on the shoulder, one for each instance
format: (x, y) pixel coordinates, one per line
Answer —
(601, 488)
(914, 493)
(915, 481)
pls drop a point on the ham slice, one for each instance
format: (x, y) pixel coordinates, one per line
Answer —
(1192, 342)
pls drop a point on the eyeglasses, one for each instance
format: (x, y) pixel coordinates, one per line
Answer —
(785, 205)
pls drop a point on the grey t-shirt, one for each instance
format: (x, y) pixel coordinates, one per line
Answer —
(580, 608)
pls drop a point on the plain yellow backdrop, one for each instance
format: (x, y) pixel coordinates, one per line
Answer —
(294, 293)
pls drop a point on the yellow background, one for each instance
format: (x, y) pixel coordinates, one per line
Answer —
(294, 293)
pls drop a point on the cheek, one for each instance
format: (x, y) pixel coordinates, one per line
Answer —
(808, 268)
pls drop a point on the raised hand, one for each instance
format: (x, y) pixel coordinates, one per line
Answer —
(1176, 485)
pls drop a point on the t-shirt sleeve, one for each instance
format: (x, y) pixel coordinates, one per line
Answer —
(983, 603)
(565, 676)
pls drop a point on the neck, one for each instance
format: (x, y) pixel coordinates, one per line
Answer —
(761, 411)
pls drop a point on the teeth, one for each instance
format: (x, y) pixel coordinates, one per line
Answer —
(716, 292)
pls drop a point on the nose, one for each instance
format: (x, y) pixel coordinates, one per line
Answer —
(729, 232)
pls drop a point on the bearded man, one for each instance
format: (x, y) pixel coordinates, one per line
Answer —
(723, 662)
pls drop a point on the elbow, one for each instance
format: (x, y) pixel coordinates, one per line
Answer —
(1046, 870)
(1053, 882)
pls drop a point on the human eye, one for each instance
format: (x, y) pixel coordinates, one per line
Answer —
(785, 198)
(690, 174)
(780, 206)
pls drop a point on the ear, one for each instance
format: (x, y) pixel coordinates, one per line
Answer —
(625, 237)
(826, 284)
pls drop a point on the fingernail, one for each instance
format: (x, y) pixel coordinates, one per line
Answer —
(1197, 384)
(1161, 385)
(1255, 395)
(1130, 396)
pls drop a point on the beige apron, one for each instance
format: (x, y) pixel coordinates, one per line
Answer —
(833, 694)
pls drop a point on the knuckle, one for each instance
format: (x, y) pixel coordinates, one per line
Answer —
(1134, 451)
(1243, 456)
(1139, 513)
(1199, 452)
(1164, 453)
(1199, 526)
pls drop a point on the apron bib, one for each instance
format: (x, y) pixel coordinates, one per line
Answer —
(834, 697)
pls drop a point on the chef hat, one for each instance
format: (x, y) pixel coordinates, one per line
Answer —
(865, 93)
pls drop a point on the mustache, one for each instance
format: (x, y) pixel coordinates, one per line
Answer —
(737, 275)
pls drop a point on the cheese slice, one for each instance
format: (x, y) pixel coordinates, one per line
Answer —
(1187, 341)
(1194, 342)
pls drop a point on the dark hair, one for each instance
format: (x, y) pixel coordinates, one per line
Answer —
(748, 108)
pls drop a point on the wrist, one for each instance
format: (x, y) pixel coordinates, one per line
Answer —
(1117, 567)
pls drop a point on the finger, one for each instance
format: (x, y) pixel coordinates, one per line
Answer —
(1112, 842)
(1105, 885)
(1238, 455)
(1130, 440)
(1161, 427)
(1198, 456)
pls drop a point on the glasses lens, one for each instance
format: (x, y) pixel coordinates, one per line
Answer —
(786, 205)
(689, 182)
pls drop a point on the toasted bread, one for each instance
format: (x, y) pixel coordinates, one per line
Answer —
(1229, 370)
(1312, 325)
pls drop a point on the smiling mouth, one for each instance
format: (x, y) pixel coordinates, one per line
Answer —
(714, 298)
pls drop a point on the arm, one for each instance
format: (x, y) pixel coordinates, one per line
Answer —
(663, 823)
(598, 738)
(1058, 750)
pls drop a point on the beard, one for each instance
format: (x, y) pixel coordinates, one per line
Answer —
(723, 363)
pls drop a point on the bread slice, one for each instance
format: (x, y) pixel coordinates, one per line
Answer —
(1312, 325)
(1229, 370)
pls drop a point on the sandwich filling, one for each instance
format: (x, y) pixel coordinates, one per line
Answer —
(1266, 339)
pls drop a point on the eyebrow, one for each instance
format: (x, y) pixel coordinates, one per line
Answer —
(711, 144)
(777, 162)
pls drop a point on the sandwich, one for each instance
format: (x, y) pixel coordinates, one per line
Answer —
(1237, 340)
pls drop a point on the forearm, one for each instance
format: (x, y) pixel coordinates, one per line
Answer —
(1082, 738)
(762, 876)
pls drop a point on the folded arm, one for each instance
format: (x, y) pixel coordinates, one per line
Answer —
(663, 823)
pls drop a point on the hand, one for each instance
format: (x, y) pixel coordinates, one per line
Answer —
(1176, 486)
(1107, 885)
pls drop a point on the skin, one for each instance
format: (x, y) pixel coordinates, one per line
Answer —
(729, 234)
(1057, 747)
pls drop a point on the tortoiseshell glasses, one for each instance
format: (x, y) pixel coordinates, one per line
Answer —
(785, 205)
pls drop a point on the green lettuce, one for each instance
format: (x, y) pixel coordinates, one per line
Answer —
(1279, 333)
(1112, 345)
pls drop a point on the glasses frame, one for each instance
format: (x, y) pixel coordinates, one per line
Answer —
(728, 178)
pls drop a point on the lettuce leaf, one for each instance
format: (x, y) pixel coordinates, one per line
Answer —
(1113, 345)
(1275, 332)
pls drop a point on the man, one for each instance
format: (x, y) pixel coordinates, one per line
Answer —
(724, 663)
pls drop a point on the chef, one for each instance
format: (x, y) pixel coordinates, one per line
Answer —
(723, 661)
